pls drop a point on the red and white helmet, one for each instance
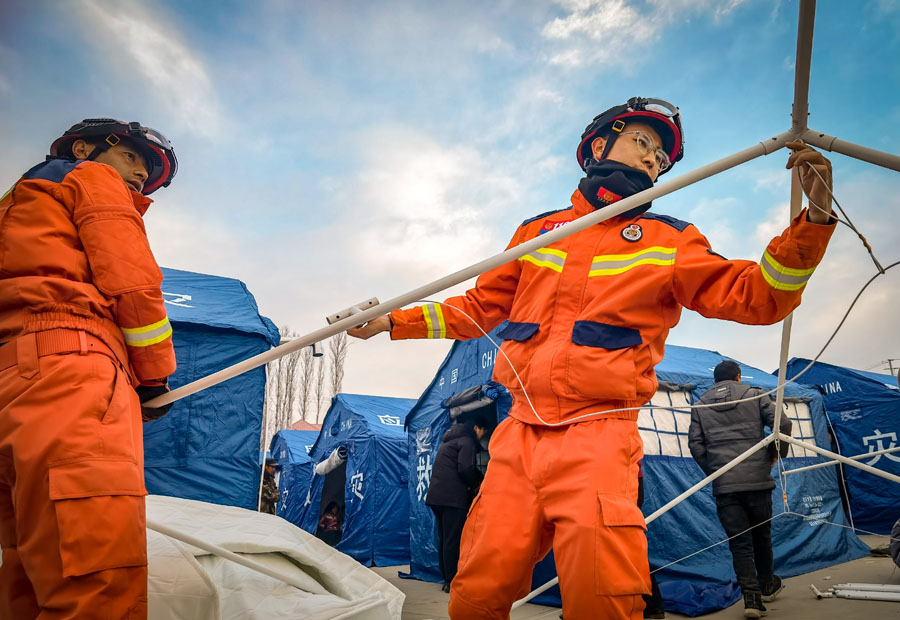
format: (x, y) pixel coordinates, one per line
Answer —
(661, 115)
(161, 162)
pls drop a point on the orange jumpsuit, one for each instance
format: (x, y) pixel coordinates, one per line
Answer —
(589, 316)
(82, 321)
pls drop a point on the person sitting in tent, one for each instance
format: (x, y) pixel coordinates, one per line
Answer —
(330, 524)
(270, 496)
(454, 478)
(719, 434)
(85, 339)
(588, 320)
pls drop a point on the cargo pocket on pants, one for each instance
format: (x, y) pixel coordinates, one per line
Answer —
(468, 534)
(620, 563)
(99, 505)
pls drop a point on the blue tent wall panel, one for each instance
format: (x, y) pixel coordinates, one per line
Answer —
(376, 518)
(864, 409)
(295, 472)
(207, 447)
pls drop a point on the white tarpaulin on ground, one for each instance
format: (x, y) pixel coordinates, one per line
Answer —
(187, 582)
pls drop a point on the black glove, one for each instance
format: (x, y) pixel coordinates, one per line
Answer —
(148, 391)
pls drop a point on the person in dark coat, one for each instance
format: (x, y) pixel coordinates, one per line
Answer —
(270, 494)
(743, 495)
(454, 477)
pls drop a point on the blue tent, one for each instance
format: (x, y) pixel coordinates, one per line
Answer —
(864, 410)
(704, 582)
(469, 364)
(207, 447)
(696, 585)
(295, 470)
(370, 488)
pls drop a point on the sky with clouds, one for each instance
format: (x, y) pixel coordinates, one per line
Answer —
(334, 151)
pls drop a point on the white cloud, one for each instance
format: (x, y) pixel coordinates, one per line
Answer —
(611, 30)
(174, 74)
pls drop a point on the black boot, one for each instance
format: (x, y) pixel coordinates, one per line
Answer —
(446, 586)
(771, 588)
(753, 604)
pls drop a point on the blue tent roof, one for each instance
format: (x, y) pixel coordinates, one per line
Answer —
(694, 586)
(864, 409)
(376, 521)
(214, 301)
(207, 447)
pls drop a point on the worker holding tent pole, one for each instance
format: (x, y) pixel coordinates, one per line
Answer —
(588, 319)
(84, 338)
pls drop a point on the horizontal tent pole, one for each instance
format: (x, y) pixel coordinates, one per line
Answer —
(864, 153)
(763, 148)
(858, 457)
(224, 553)
(837, 457)
(737, 461)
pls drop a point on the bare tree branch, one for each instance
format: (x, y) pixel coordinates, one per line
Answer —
(337, 355)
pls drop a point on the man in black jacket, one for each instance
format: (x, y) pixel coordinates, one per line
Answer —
(743, 495)
(453, 478)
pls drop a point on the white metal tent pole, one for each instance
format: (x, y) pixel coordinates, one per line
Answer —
(799, 114)
(763, 148)
(843, 459)
(864, 153)
(224, 553)
(858, 457)
(664, 509)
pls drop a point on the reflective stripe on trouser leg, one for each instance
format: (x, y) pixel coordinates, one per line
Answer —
(78, 485)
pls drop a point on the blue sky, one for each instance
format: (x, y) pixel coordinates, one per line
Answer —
(334, 151)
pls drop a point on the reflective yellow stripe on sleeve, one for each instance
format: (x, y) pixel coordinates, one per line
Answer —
(147, 335)
(434, 319)
(783, 278)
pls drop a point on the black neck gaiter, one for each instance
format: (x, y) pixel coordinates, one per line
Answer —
(610, 181)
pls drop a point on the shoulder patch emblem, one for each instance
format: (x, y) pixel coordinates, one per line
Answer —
(548, 226)
(632, 232)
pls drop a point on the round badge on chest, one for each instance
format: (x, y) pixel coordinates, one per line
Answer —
(632, 232)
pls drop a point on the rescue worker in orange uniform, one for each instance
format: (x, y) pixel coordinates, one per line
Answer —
(588, 319)
(84, 338)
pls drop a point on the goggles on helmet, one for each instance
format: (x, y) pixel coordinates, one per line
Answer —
(161, 162)
(661, 115)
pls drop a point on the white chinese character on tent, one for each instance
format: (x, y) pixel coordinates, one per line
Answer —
(356, 483)
(878, 444)
(423, 475)
(178, 299)
(454, 375)
(390, 420)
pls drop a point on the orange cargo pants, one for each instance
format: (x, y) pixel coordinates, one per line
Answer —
(573, 488)
(72, 522)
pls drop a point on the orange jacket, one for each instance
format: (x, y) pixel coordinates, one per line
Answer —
(589, 314)
(74, 254)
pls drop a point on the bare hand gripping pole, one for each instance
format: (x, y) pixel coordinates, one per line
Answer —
(763, 148)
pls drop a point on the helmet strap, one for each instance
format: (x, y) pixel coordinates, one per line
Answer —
(110, 141)
(614, 130)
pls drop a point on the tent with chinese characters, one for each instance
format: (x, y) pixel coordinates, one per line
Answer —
(295, 470)
(696, 585)
(207, 447)
(864, 411)
(370, 486)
